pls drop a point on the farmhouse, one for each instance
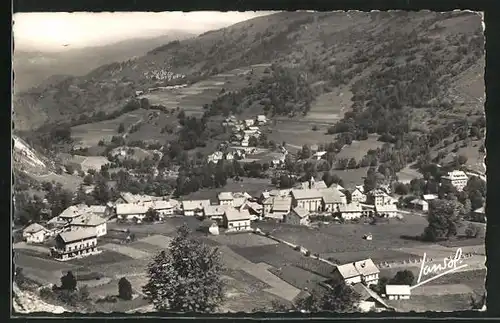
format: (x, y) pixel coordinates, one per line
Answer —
(100, 210)
(280, 207)
(35, 233)
(298, 216)
(363, 271)
(456, 178)
(90, 221)
(131, 211)
(350, 211)
(420, 205)
(236, 221)
(369, 300)
(127, 197)
(357, 195)
(387, 211)
(396, 292)
(267, 206)
(225, 198)
(215, 212)
(73, 212)
(337, 186)
(72, 244)
(255, 209)
(331, 199)
(194, 207)
(311, 200)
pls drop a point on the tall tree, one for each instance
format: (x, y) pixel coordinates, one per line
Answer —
(187, 277)
(443, 220)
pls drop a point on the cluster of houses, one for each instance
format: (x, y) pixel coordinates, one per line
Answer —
(75, 231)
(361, 276)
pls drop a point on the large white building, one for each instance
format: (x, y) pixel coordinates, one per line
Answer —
(363, 271)
(457, 178)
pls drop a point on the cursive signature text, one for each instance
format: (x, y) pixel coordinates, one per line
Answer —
(449, 264)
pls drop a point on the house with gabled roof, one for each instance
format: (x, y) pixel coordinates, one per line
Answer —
(74, 244)
(298, 216)
(35, 233)
(396, 292)
(357, 195)
(90, 221)
(131, 211)
(236, 220)
(280, 207)
(363, 271)
(311, 200)
(331, 199)
(215, 212)
(387, 211)
(194, 207)
(350, 211)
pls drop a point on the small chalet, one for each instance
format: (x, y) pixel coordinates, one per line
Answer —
(261, 119)
(35, 233)
(194, 207)
(363, 271)
(73, 244)
(396, 292)
(267, 206)
(378, 197)
(298, 216)
(237, 221)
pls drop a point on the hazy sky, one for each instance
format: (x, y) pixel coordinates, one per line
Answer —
(50, 31)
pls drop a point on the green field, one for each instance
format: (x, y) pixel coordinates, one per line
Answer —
(358, 149)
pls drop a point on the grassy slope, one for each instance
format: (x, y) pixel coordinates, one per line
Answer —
(291, 39)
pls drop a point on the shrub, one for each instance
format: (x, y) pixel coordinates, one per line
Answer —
(124, 289)
(296, 248)
(308, 253)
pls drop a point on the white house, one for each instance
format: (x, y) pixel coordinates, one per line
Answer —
(194, 207)
(35, 233)
(311, 200)
(298, 216)
(225, 198)
(90, 221)
(429, 197)
(363, 271)
(457, 178)
(237, 221)
(396, 292)
(350, 211)
(244, 142)
(357, 196)
(387, 211)
(131, 211)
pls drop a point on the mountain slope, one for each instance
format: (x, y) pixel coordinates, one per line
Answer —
(323, 50)
(33, 68)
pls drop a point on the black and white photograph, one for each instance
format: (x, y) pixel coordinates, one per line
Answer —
(248, 161)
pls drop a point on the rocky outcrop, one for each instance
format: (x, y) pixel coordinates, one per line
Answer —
(28, 302)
